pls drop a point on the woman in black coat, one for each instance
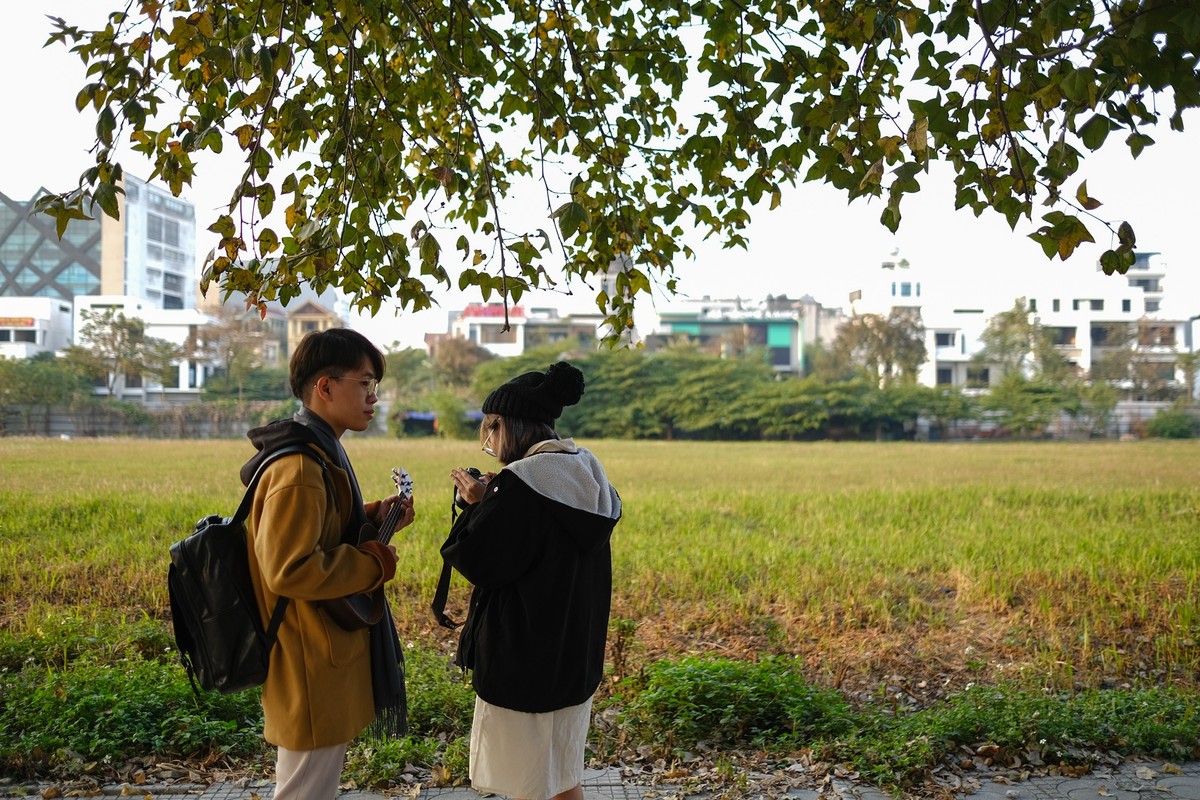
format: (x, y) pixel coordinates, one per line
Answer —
(534, 543)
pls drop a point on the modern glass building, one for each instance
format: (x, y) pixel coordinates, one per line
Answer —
(150, 253)
(35, 263)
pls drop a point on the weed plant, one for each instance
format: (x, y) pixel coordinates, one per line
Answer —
(725, 703)
(105, 696)
(718, 703)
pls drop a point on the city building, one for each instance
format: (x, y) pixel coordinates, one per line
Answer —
(278, 328)
(149, 253)
(266, 332)
(30, 326)
(34, 262)
(485, 325)
(144, 262)
(1087, 316)
(781, 328)
(179, 327)
(160, 246)
(309, 316)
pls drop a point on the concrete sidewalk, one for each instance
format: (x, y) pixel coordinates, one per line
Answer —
(1134, 780)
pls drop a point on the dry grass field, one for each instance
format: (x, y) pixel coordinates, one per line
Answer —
(903, 569)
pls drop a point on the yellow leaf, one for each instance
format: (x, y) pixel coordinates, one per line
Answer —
(205, 24)
(439, 775)
(1084, 200)
(874, 175)
(245, 135)
(890, 145)
(918, 137)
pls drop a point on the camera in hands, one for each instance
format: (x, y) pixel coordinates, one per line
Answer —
(459, 501)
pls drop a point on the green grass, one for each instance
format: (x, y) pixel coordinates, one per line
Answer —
(1077, 554)
(1050, 569)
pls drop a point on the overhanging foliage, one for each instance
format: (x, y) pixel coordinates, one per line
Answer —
(386, 142)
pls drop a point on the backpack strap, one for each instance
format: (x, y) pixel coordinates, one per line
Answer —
(243, 511)
(442, 594)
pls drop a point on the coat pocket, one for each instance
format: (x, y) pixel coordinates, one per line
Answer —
(345, 647)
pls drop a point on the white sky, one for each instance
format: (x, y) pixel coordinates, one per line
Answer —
(815, 243)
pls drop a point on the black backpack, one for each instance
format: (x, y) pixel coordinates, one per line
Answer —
(214, 612)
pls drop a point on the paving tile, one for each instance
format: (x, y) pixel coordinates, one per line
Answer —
(1131, 781)
(1184, 787)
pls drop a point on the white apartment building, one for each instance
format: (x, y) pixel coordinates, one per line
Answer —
(484, 324)
(1086, 314)
(177, 326)
(159, 246)
(30, 326)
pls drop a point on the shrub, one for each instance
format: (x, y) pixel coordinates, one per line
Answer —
(55, 641)
(1013, 721)
(1172, 423)
(440, 698)
(112, 691)
(722, 702)
(113, 711)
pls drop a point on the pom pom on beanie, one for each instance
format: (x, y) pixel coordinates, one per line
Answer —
(538, 396)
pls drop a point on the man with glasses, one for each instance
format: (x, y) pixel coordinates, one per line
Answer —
(325, 684)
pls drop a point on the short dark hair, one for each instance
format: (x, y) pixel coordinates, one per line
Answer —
(516, 437)
(328, 352)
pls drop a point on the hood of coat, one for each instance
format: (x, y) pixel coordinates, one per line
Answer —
(273, 436)
(583, 500)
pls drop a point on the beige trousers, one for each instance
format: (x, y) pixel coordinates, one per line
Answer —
(309, 774)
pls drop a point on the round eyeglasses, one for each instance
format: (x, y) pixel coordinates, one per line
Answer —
(370, 384)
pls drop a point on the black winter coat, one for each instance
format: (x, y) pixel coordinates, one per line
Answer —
(536, 549)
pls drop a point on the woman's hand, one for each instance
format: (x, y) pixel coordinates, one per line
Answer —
(469, 487)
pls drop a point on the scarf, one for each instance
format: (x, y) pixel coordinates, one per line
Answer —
(387, 657)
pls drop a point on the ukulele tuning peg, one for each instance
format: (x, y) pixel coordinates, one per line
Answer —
(404, 483)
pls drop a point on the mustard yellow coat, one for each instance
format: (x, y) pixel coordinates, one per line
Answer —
(318, 688)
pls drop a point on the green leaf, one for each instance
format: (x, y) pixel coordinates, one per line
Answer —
(223, 226)
(1126, 236)
(106, 124)
(1110, 262)
(429, 248)
(268, 241)
(105, 196)
(572, 218)
(1095, 131)
(1138, 142)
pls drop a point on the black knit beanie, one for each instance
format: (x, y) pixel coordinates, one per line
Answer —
(538, 396)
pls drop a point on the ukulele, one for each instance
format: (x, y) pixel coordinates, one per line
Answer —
(366, 608)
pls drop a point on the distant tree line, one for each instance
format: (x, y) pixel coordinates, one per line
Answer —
(683, 393)
(862, 386)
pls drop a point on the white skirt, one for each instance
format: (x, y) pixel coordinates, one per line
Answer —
(530, 756)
